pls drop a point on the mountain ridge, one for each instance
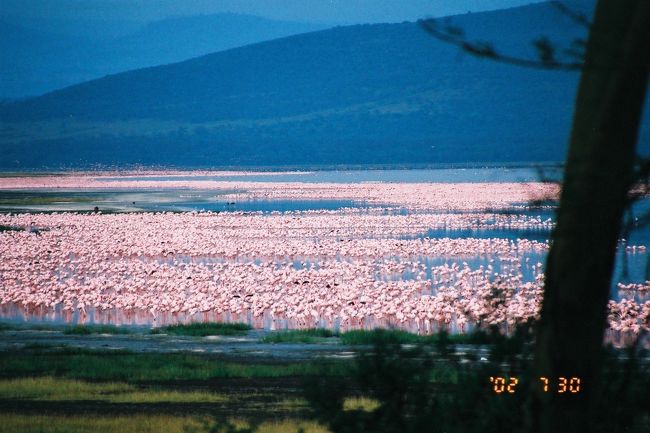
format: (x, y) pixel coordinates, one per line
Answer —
(364, 94)
(36, 61)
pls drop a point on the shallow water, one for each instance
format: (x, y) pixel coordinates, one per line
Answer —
(441, 175)
(167, 200)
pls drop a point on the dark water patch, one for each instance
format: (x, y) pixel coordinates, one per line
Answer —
(257, 205)
(539, 234)
(167, 200)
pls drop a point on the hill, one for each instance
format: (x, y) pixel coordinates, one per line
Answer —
(40, 56)
(366, 94)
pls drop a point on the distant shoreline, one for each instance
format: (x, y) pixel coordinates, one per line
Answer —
(280, 169)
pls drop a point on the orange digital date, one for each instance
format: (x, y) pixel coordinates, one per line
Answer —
(507, 385)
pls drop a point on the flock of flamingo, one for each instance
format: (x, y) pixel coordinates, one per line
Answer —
(414, 196)
(342, 269)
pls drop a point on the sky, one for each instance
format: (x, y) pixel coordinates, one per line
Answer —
(322, 11)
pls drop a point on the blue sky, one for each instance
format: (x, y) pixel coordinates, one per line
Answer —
(328, 11)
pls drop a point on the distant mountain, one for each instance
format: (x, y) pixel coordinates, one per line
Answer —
(33, 61)
(39, 57)
(366, 94)
(174, 39)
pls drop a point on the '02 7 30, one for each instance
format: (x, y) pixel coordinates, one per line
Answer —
(562, 385)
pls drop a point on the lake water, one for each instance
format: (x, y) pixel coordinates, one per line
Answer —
(441, 175)
(166, 200)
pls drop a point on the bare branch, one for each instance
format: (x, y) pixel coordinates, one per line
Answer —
(546, 51)
(455, 36)
(577, 17)
(577, 49)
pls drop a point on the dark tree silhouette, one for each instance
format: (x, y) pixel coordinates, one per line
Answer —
(599, 174)
(600, 182)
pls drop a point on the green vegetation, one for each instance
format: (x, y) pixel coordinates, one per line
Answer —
(315, 335)
(371, 337)
(95, 329)
(7, 326)
(364, 404)
(393, 336)
(12, 423)
(357, 337)
(393, 387)
(137, 367)
(56, 389)
(409, 389)
(68, 330)
(204, 329)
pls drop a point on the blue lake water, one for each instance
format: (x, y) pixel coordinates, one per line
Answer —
(255, 205)
(442, 175)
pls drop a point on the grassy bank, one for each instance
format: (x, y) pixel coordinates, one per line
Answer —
(307, 336)
(298, 336)
(192, 330)
(371, 337)
(66, 329)
(204, 329)
(56, 389)
(133, 367)
(13, 423)
(95, 329)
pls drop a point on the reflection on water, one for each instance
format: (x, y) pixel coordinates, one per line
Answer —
(136, 317)
(169, 200)
(255, 205)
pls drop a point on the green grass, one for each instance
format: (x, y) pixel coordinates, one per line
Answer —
(57, 389)
(393, 336)
(365, 337)
(360, 403)
(298, 336)
(107, 365)
(10, 423)
(95, 329)
(309, 336)
(358, 337)
(204, 329)
(68, 330)
(13, 423)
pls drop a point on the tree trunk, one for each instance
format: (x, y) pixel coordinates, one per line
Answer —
(598, 174)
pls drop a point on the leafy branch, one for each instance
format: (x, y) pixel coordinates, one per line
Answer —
(547, 52)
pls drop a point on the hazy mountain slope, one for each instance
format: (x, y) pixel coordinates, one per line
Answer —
(33, 60)
(37, 60)
(174, 39)
(349, 95)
